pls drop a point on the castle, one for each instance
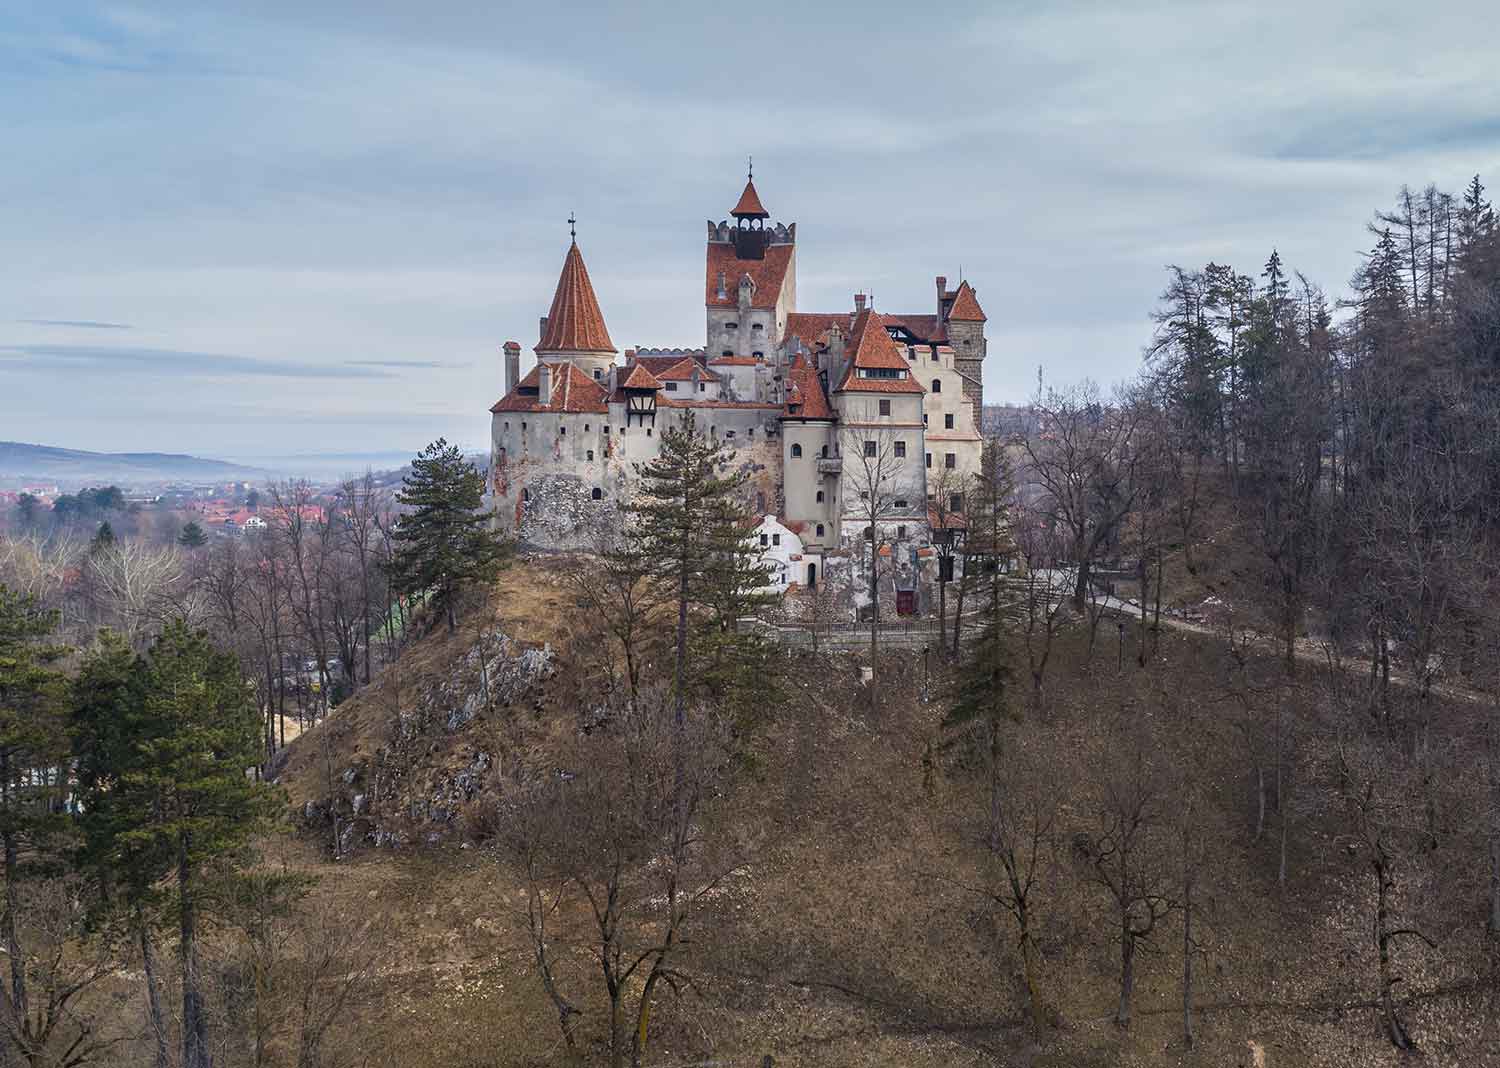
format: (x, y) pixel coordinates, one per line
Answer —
(835, 417)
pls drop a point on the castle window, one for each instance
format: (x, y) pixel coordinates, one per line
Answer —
(757, 326)
(900, 533)
(728, 434)
(727, 352)
(702, 386)
(598, 494)
(598, 374)
(900, 503)
(869, 448)
(950, 461)
(901, 450)
(820, 496)
(671, 387)
(507, 426)
(606, 431)
(765, 539)
(929, 459)
(731, 326)
(796, 451)
(562, 430)
(648, 431)
(825, 451)
(591, 454)
(775, 539)
(948, 421)
(760, 503)
(885, 407)
(820, 530)
(937, 385)
(759, 355)
(523, 426)
(585, 428)
(956, 503)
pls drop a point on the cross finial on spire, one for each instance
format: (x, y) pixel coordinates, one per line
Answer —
(750, 168)
(572, 226)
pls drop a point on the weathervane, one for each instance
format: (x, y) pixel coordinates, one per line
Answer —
(572, 226)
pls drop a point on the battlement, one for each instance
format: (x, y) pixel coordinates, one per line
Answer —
(723, 233)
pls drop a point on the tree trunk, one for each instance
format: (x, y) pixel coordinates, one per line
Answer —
(1127, 974)
(874, 622)
(942, 608)
(1187, 954)
(18, 1008)
(679, 676)
(195, 1051)
(153, 992)
(958, 608)
(1140, 653)
(1395, 1030)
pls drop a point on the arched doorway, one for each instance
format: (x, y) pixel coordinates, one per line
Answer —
(812, 576)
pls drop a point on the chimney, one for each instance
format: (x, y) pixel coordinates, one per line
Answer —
(835, 356)
(542, 327)
(859, 303)
(544, 383)
(614, 379)
(942, 284)
(629, 357)
(512, 366)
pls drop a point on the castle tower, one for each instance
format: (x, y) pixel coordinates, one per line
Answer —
(963, 318)
(573, 330)
(750, 280)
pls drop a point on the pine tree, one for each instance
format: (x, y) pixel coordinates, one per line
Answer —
(691, 526)
(192, 536)
(165, 746)
(444, 543)
(985, 672)
(104, 538)
(33, 756)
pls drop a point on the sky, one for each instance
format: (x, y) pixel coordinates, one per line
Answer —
(250, 230)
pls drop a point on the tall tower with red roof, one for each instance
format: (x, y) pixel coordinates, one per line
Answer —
(750, 280)
(573, 330)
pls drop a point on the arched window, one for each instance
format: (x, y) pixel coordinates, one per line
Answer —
(820, 496)
(937, 385)
(796, 451)
(825, 451)
(820, 530)
(598, 494)
(525, 495)
(591, 454)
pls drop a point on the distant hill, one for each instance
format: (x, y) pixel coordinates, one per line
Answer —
(44, 462)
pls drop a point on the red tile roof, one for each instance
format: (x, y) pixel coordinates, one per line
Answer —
(768, 274)
(925, 327)
(805, 398)
(640, 378)
(811, 326)
(750, 206)
(966, 307)
(575, 323)
(657, 364)
(874, 350)
(572, 391)
(668, 400)
(682, 371)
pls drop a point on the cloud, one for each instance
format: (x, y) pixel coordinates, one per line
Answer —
(399, 363)
(174, 362)
(82, 324)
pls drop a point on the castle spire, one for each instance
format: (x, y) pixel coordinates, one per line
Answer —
(575, 324)
(750, 206)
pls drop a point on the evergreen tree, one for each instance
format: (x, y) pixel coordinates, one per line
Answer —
(104, 538)
(33, 758)
(165, 746)
(444, 543)
(693, 529)
(29, 506)
(192, 536)
(985, 671)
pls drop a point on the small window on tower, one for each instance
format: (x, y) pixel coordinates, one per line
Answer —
(598, 494)
(796, 451)
(585, 428)
(900, 450)
(929, 459)
(820, 530)
(591, 454)
(562, 430)
(702, 386)
(731, 326)
(948, 421)
(956, 503)
(937, 385)
(820, 496)
(671, 387)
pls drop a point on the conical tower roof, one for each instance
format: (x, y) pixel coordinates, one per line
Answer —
(575, 323)
(750, 206)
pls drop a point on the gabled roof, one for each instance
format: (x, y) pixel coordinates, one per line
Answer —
(572, 391)
(811, 326)
(640, 378)
(575, 323)
(966, 307)
(657, 363)
(682, 371)
(749, 206)
(768, 274)
(874, 350)
(805, 398)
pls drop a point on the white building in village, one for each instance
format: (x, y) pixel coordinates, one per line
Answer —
(815, 407)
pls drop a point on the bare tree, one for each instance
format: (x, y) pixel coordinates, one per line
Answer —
(875, 479)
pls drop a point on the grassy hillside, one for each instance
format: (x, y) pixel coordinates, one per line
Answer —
(852, 934)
